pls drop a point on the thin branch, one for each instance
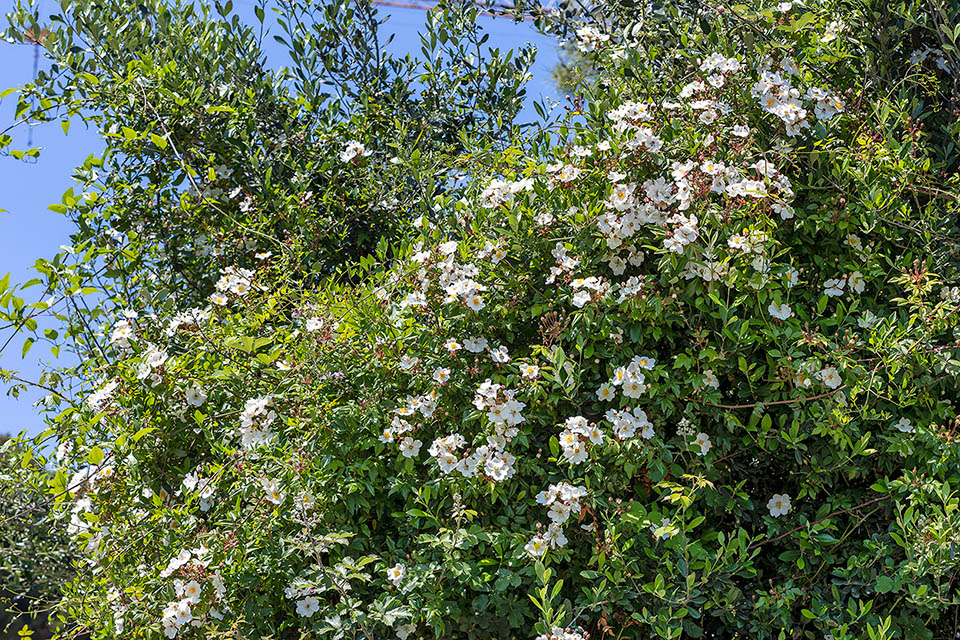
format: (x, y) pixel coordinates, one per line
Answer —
(835, 513)
(766, 404)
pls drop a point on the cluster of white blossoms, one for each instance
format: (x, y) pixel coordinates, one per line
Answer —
(565, 262)
(396, 432)
(489, 460)
(203, 488)
(560, 634)
(175, 615)
(618, 264)
(504, 413)
(630, 121)
(627, 423)
(500, 192)
(148, 370)
(769, 183)
(631, 287)
(589, 38)
(398, 427)
(583, 288)
(919, 56)
(502, 408)
(124, 330)
(778, 96)
(307, 603)
(446, 451)
(562, 174)
(683, 230)
(834, 287)
(455, 280)
(950, 294)
(719, 63)
(188, 318)
(102, 396)
(255, 421)
(751, 241)
(354, 151)
(189, 593)
(235, 280)
(630, 379)
(577, 433)
(826, 105)
(643, 139)
(425, 404)
(562, 500)
(630, 115)
(630, 207)
(708, 268)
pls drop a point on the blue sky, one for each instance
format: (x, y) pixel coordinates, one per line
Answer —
(31, 230)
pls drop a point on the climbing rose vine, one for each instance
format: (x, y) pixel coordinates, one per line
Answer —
(683, 366)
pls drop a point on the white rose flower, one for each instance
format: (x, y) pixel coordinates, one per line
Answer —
(779, 505)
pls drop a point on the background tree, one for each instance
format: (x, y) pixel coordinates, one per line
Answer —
(35, 558)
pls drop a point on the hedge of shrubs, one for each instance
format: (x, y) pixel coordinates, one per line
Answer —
(679, 363)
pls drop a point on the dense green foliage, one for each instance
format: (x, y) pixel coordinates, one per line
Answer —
(682, 363)
(34, 556)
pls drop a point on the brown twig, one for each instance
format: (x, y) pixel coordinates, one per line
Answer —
(835, 513)
(791, 401)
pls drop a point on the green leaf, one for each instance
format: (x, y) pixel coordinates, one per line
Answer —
(822, 303)
(95, 456)
(802, 21)
(692, 628)
(554, 446)
(886, 584)
(142, 432)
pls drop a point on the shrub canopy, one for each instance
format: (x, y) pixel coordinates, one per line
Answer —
(682, 362)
